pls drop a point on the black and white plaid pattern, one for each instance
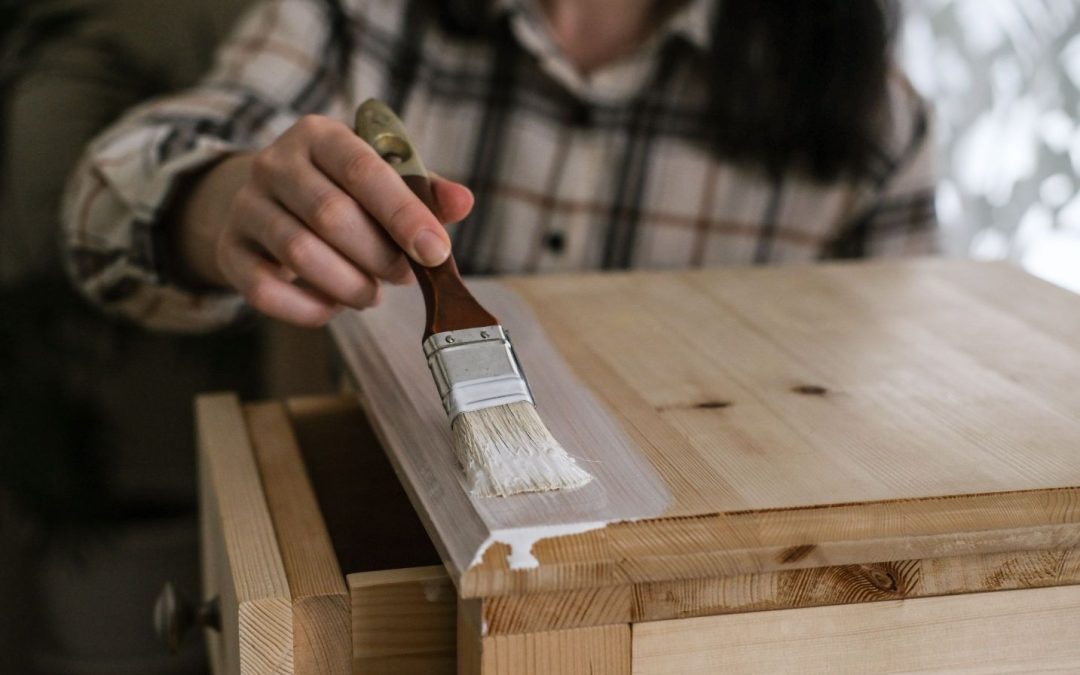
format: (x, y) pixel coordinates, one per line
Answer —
(570, 174)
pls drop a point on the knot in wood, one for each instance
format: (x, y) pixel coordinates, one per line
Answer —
(882, 580)
(712, 405)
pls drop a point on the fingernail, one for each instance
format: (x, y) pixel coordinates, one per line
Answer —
(430, 249)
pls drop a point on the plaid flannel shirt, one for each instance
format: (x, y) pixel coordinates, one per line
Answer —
(608, 172)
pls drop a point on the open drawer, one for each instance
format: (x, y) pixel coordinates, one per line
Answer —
(318, 560)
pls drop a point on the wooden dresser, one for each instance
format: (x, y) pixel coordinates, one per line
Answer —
(842, 468)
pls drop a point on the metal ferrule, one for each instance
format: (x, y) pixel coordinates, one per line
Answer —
(475, 368)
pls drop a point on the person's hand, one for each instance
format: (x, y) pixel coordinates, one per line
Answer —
(313, 223)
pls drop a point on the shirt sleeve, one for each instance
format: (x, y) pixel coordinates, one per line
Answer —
(281, 62)
(897, 217)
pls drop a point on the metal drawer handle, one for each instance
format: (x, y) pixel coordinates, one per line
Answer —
(175, 617)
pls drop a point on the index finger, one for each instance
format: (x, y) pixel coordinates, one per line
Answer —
(358, 169)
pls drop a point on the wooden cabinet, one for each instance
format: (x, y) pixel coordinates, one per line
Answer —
(847, 468)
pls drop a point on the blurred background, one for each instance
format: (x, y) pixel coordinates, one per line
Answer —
(1004, 77)
(97, 503)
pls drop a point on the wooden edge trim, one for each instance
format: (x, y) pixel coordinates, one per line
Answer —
(405, 575)
(787, 589)
(740, 593)
(642, 551)
(319, 598)
(259, 589)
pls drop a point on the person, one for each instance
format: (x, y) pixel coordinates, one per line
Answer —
(566, 135)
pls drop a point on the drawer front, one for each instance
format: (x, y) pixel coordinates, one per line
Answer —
(1033, 630)
(241, 562)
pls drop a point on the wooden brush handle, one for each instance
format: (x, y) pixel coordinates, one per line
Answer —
(450, 305)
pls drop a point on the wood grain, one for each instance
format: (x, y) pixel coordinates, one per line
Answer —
(470, 636)
(1009, 631)
(595, 650)
(672, 599)
(823, 385)
(797, 417)
(785, 589)
(320, 601)
(246, 569)
(850, 584)
(557, 610)
(403, 622)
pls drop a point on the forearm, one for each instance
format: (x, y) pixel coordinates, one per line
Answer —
(126, 240)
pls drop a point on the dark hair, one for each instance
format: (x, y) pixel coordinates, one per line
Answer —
(791, 84)
(801, 82)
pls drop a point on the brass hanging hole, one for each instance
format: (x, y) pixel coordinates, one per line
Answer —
(392, 148)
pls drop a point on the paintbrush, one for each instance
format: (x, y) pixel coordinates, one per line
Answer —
(501, 442)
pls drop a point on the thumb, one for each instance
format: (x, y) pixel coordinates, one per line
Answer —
(455, 201)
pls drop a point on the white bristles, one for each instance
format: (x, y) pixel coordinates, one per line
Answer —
(507, 449)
